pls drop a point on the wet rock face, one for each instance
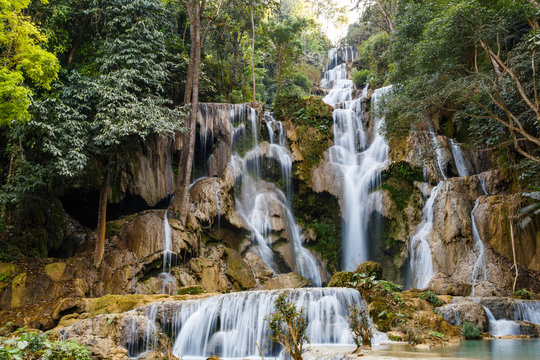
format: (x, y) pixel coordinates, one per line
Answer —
(144, 235)
(494, 215)
(460, 311)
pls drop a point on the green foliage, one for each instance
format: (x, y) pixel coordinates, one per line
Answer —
(190, 290)
(24, 62)
(437, 334)
(442, 65)
(470, 331)
(372, 57)
(430, 296)
(359, 325)
(525, 294)
(32, 345)
(399, 180)
(361, 77)
(288, 326)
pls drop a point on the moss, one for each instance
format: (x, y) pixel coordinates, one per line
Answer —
(55, 270)
(190, 290)
(342, 279)
(399, 181)
(312, 143)
(320, 213)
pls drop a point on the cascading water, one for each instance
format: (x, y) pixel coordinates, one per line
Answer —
(360, 163)
(528, 311)
(459, 159)
(166, 279)
(480, 264)
(421, 262)
(259, 199)
(501, 327)
(233, 325)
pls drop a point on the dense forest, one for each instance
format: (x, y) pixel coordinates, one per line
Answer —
(193, 147)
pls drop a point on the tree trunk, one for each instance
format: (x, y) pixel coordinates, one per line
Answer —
(181, 195)
(102, 221)
(514, 255)
(253, 54)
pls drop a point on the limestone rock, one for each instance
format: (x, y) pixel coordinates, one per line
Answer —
(459, 312)
(290, 280)
(259, 268)
(55, 270)
(238, 271)
(442, 284)
(370, 268)
(102, 348)
(209, 274)
(144, 235)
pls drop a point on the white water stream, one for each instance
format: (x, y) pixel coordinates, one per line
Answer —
(360, 163)
(260, 200)
(232, 325)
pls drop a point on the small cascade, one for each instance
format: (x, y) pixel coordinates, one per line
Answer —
(501, 327)
(438, 152)
(480, 264)
(259, 200)
(165, 278)
(527, 310)
(233, 325)
(167, 245)
(361, 163)
(459, 159)
(337, 56)
(421, 261)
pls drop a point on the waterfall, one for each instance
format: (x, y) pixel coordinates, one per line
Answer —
(167, 244)
(459, 159)
(421, 262)
(260, 200)
(361, 163)
(527, 310)
(480, 263)
(501, 327)
(232, 325)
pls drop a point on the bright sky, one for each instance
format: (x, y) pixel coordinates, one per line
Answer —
(337, 31)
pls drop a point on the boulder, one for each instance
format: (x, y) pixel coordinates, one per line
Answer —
(442, 284)
(102, 348)
(144, 235)
(239, 272)
(459, 312)
(370, 268)
(290, 280)
(260, 270)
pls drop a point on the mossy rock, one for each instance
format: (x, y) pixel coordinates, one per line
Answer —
(190, 290)
(18, 285)
(238, 271)
(55, 270)
(341, 279)
(370, 268)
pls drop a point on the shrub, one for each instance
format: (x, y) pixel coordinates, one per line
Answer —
(360, 326)
(470, 331)
(303, 82)
(68, 350)
(524, 294)
(288, 326)
(436, 334)
(431, 297)
(361, 77)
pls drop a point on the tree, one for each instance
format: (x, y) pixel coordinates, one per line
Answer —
(89, 123)
(288, 326)
(476, 61)
(285, 46)
(195, 10)
(360, 326)
(24, 61)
